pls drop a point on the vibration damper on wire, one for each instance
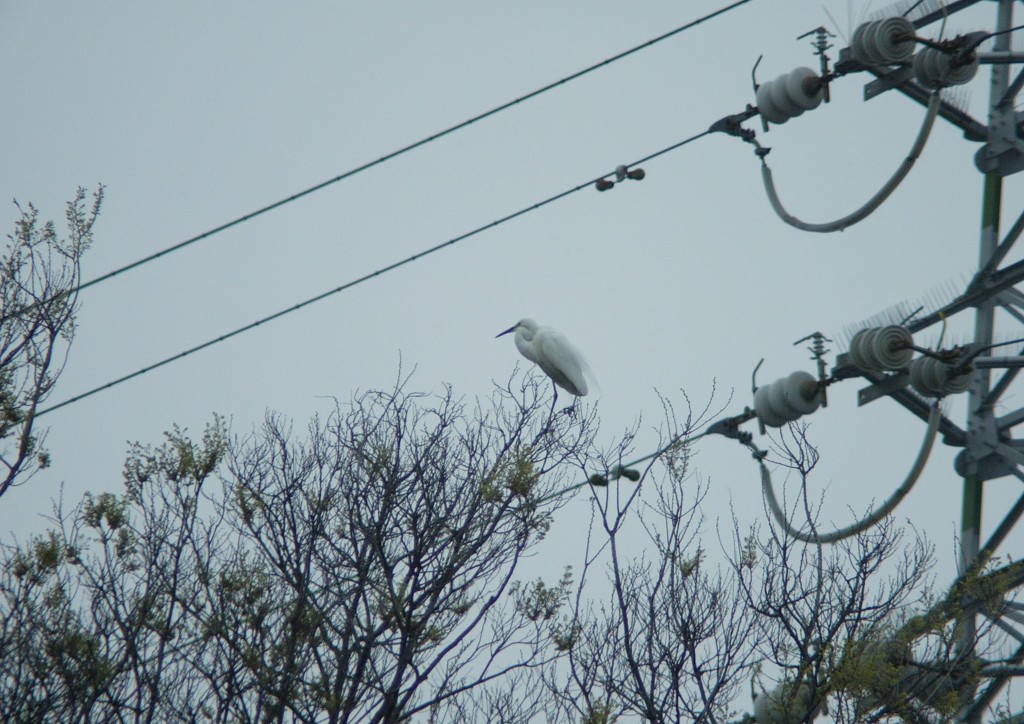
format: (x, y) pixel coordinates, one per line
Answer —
(621, 174)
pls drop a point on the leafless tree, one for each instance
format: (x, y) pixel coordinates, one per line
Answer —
(366, 571)
(669, 642)
(39, 276)
(678, 638)
(827, 611)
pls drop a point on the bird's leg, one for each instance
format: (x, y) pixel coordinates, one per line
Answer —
(554, 400)
(551, 413)
(568, 410)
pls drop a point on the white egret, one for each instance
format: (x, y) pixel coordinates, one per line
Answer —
(551, 351)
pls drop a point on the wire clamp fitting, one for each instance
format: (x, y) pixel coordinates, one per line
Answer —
(730, 426)
(732, 125)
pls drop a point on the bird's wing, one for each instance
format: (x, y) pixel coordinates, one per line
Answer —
(561, 361)
(588, 373)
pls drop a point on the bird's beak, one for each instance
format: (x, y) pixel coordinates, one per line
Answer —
(507, 331)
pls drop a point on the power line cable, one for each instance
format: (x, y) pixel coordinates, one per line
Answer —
(620, 470)
(394, 154)
(989, 36)
(874, 202)
(366, 277)
(871, 519)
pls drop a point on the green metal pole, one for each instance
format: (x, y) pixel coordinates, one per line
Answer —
(981, 428)
(982, 435)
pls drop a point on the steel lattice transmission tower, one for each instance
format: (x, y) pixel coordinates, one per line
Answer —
(990, 449)
(987, 624)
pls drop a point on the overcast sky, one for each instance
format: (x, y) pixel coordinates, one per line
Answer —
(194, 113)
